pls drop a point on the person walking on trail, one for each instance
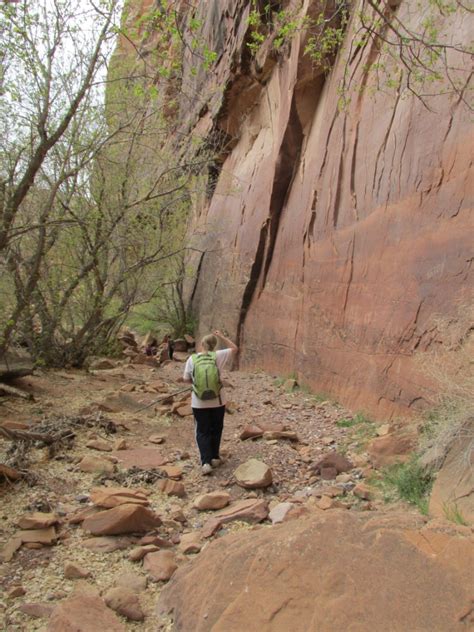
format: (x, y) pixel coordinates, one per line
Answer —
(208, 398)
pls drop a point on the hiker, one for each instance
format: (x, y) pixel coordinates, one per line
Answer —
(208, 401)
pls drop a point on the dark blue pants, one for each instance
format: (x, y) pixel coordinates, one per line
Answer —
(209, 423)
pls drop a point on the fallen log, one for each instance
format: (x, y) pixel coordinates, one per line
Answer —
(16, 392)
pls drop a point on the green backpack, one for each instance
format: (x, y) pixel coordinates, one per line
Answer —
(206, 378)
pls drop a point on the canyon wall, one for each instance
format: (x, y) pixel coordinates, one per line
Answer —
(333, 238)
(339, 240)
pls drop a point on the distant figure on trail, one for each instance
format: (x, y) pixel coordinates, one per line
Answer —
(152, 347)
(208, 401)
(170, 344)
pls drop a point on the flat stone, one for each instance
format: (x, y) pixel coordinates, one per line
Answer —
(363, 491)
(16, 591)
(160, 565)
(109, 497)
(250, 510)
(38, 520)
(120, 444)
(143, 458)
(212, 501)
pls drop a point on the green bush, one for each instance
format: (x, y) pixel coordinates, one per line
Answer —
(407, 481)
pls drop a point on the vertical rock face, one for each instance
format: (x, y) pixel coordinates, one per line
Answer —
(331, 242)
(336, 238)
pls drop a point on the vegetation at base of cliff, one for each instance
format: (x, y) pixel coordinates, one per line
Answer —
(92, 215)
(406, 481)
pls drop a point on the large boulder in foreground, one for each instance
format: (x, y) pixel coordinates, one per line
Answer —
(331, 571)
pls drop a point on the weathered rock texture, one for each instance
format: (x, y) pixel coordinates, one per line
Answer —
(331, 242)
(336, 238)
(325, 573)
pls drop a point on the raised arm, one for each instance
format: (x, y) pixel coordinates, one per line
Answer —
(229, 343)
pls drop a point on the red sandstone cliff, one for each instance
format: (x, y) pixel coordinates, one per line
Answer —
(336, 239)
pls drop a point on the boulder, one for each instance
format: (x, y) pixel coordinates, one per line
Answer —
(129, 518)
(125, 602)
(363, 491)
(109, 497)
(156, 438)
(314, 575)
(160, 565)
(212, 501)
(253, 474)
(250, 510)
(172, 471)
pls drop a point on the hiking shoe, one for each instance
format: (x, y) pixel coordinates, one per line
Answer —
(216, 462)
(206, 468)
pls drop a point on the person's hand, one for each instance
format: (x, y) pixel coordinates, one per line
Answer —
(218, 333)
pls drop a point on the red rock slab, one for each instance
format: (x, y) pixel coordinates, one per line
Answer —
(143, 458)
(99, 444)
(125, 602)
(128, 518)
(212, 500)
(84, 612)
(391, 449)
(110, 497)
(250, 510)
(38, 520)
(34, 536)
(251, 431)
(160, 565)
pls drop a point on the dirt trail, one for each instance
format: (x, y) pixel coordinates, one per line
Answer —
(61, 487)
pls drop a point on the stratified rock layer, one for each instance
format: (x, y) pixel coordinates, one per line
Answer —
(325, 573)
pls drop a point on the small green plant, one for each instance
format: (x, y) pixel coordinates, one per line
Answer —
(345, 423)
(453, 514)
(407, 481)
